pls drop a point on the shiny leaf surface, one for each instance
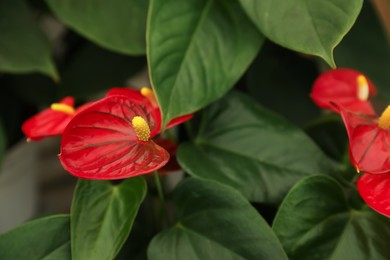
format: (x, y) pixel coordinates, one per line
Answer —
(23, 46)
(241, 144)
(197, 50)
(313, 27)
(103, 215)
(101, 143)
(23, 243)
(215, 222)
(116, 25)
(315, 222)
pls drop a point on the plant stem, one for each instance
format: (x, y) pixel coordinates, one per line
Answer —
(163, 208)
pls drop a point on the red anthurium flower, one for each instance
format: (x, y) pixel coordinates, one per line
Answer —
(369, 140)
(51, 121)
(111, 140)
(375, 191)
(345, 87)
(146, 96)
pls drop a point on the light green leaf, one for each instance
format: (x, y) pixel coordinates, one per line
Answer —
(366, 49)
(23, 46)
(215, 222)
(116, 25)
(197, 50)
(42, 239)
(313, 27)
(103, 215)
(241, 144)
(314, 222)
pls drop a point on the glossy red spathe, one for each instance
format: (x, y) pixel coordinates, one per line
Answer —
(48, 122)
(146, 96)
(375, 191)
(345, 87)
(101, 143)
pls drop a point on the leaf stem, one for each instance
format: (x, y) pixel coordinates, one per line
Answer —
(163, 208)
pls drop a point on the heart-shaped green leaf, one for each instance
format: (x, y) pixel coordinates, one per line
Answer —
(42, 239)
(366, 48)
(215, 222)
(241, 144)
(116, 25)
(197, 50)
(313, 27)
(103, 215)
(315, 222)
(23, 46)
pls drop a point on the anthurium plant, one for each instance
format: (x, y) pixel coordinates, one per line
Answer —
(262, 130)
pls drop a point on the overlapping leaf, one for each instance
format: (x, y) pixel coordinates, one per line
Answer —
(315, 222)
(116, 25)
(197, 50)
(215, 222)
(103, 215)
(23, 46)
(243, 145)
(46, 238)
(312, 27)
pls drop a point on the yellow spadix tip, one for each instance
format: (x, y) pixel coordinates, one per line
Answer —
(62, 108)
(149, 94)
(141, 128)
(362, 88)
(384, 119)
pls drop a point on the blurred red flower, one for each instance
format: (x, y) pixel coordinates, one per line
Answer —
(345, 87)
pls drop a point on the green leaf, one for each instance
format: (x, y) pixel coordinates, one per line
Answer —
(313, 27)
(197, 50)
(116, 25)
(282, 80)
(215, 222)
(103, 215)
(42, 239)
(314, 222)
(241, 144)
(366, 49)
(23, 46)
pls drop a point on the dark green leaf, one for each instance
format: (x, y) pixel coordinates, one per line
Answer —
(103, 215)
(366, 48)
(245, 146)
(314, 222)
(215, 222)
(23, 47)
(42, 239)
(313, 27)
(116, 25)
(282, 80)
(197, 50)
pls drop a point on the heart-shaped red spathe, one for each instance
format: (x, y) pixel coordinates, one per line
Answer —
(369, 145)
(136, 96)
(100, 142)
(341, 86)
(48, 122)
(375, 191)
